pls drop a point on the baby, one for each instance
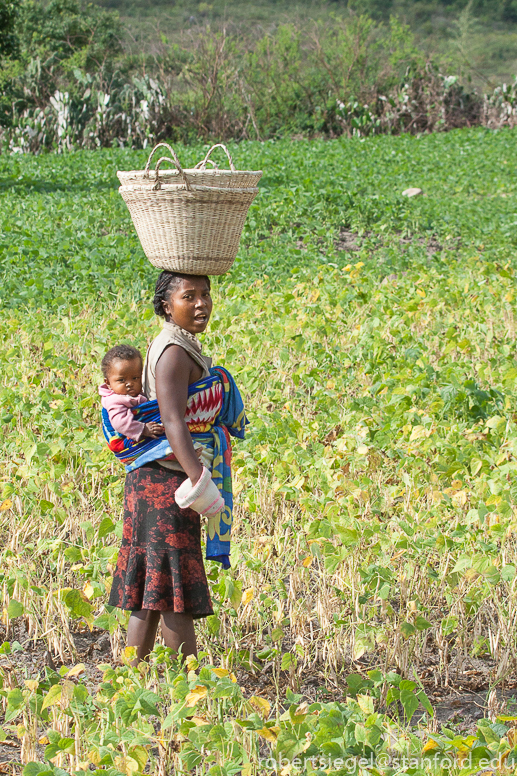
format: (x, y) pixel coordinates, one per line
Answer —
(122, 390)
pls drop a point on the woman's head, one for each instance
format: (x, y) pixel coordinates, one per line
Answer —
(184, 300)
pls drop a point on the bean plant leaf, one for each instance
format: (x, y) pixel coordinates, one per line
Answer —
(52, 697)
(15, 609)
(422, 624)
(409, 702)
(106, 527)
(37, 769)
(407, 629)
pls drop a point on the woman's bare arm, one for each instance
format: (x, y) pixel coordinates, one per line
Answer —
(174, 372)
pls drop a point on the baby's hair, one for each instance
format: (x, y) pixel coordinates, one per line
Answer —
(119, 353)
(167, 282)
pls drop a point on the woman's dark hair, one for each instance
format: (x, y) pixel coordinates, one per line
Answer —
(168, 282)
(119, 353)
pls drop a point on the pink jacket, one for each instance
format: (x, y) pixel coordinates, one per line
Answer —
(119, 411)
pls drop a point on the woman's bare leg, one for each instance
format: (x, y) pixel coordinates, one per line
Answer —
(178, 630)
(141, 632)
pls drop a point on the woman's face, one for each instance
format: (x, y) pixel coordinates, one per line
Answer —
(189, 305)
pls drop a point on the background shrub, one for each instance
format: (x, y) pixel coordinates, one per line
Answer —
(68, 81)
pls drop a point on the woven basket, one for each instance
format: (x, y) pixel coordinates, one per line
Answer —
(189, 220)
(198, 175)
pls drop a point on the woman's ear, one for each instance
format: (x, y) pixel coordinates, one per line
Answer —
(167, 308)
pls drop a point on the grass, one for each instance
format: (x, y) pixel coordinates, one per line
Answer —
(373, 338)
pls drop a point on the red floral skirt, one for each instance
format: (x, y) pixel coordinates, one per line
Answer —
(160, 565)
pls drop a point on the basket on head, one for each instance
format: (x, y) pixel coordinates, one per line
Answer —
(189, 220)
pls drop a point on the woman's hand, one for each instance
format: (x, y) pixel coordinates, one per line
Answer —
(175, 370)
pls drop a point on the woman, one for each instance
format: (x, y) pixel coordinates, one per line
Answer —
(160, 571)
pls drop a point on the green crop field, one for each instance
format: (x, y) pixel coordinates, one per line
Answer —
(374, 557)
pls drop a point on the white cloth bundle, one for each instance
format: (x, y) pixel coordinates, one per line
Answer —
(203, 497)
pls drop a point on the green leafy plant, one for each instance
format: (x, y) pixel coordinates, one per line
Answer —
(372, 337)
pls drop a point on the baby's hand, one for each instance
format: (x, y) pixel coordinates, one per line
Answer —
(153, 430)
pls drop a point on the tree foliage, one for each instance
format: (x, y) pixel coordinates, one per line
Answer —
(9, 43)
(420, 10)
(58, 30)
(61, 28)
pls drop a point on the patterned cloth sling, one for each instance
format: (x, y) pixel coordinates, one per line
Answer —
(214, 411)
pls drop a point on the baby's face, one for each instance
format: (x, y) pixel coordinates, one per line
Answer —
(125, 377)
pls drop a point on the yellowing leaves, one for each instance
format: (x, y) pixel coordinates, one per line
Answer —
(261, 705)
(359, 649)
(247, 596)
(495, 422)
(129, 654)
(191, 662)
(76, 670)
(419, 432)
(238, 486)
(360, 495)
(134, 762)
(221, 672)
(298, 483)
(196, 695)
(459, 499)
(270, 734)
(52, 697)
(435, 496)
(365, 704)
(94, 757)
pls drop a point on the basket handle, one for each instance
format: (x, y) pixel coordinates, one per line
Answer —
(170, 150)
(206, 161)
(201, 165)
(179, 168)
